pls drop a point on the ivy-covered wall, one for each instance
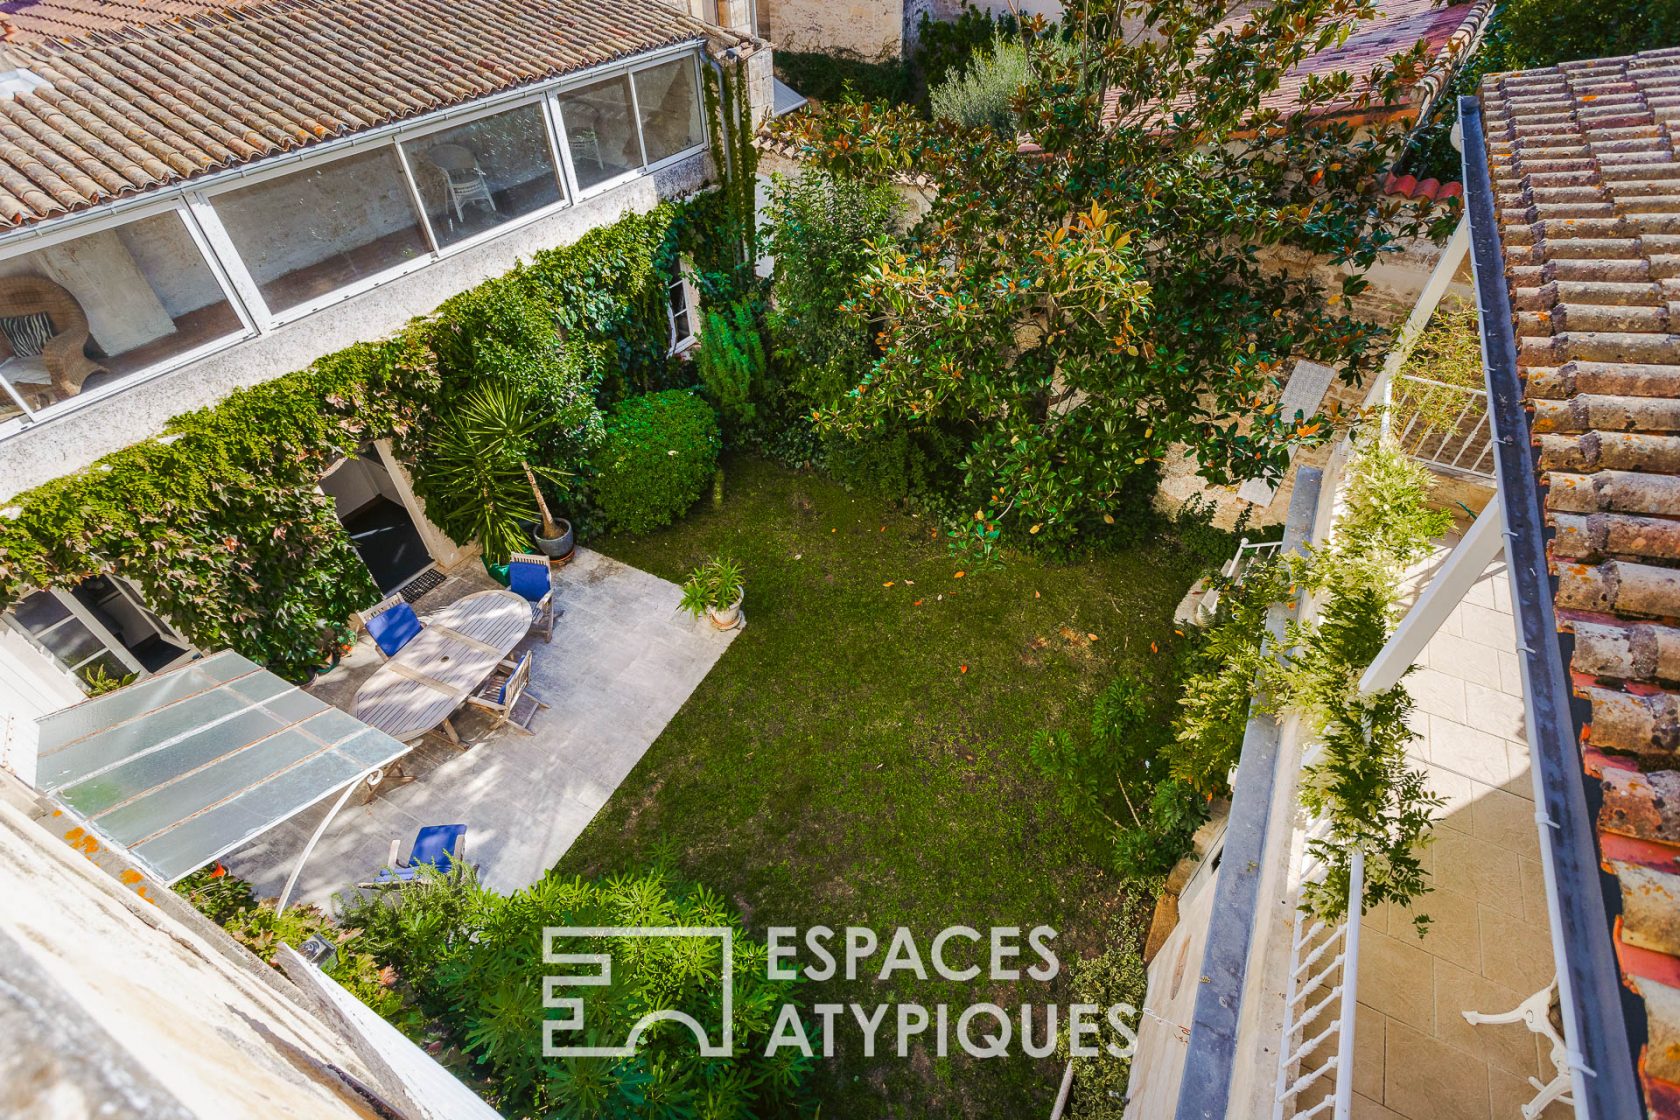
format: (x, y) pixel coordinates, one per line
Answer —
(219, 523)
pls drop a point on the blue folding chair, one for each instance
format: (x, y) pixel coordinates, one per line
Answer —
(439, 846)
(528, 578)
(392, 625)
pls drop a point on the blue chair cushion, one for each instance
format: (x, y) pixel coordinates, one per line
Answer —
(393, 629)
(435, 845)
(529, 580)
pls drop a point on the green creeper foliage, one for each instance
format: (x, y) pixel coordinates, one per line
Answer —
(1360, 781)
(659, 456)
(474, 960)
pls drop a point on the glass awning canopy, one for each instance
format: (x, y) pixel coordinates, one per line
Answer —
(186, 766)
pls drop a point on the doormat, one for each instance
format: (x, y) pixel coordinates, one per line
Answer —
(420, 584)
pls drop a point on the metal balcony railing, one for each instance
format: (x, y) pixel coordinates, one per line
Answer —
(1315, 1064)
(1444, 426)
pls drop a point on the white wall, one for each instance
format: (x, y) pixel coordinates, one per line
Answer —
(31, 685)
(121, 1004)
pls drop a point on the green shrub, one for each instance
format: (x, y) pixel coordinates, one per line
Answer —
(215, 893)
(660, 453)
(229, 901)
(474, 958)
(982, 95)
(1117, 975)
(732, 362)
(1115, 787)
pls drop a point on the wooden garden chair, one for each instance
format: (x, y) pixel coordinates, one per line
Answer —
(506, 695)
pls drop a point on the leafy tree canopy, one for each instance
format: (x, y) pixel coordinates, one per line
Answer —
(1083, 298)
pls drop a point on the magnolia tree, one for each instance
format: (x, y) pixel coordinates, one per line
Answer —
(1082, 297)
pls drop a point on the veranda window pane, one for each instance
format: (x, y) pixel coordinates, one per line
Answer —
(87, 312)
(670, 105)
(482, 174)
(305, 235)
(600, 131)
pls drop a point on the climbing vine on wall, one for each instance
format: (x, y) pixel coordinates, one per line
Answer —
(219, 522)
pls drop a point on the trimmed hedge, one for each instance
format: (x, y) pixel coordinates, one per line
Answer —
(660, 454)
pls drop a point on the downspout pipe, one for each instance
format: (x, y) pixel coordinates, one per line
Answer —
(1589, 990)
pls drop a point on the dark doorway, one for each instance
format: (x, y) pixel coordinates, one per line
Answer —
(380, 527)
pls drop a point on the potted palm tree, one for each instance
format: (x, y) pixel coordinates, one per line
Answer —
(480, 483)
(553, 535)
(716, 590)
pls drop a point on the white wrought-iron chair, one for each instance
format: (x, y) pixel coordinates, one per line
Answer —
(1535, 1013)
(506, 695)
(464, 180)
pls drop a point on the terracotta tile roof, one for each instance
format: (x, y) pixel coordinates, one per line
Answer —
(1588, 191)
(157, 105)
(1410, 186)
(35, 21)
(1450, 31)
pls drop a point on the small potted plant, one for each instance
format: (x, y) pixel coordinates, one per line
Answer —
(715, 589)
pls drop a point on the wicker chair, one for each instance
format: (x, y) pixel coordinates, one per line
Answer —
(64, 363)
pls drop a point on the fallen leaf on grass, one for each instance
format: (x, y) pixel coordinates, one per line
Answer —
(962, 668)
(889, 583)
(959, 575)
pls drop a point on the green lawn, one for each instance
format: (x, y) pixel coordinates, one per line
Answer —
(859, 756)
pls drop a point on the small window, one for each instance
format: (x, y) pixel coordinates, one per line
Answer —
(101, 629)
(682, 318)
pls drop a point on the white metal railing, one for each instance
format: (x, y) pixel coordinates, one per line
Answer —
(1247, 554)
(1315, 1058)
(1462, 445)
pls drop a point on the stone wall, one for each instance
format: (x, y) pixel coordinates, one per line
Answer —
(870, 29)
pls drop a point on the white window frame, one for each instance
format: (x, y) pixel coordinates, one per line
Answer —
(269, 318)
(49, 238)
(541, 102)
(194, 203)
(109, 642)
(691, 309)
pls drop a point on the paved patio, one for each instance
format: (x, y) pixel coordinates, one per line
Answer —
(1488, 947)
(623, 660)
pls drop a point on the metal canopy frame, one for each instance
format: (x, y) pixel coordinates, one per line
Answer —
(186, 766)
